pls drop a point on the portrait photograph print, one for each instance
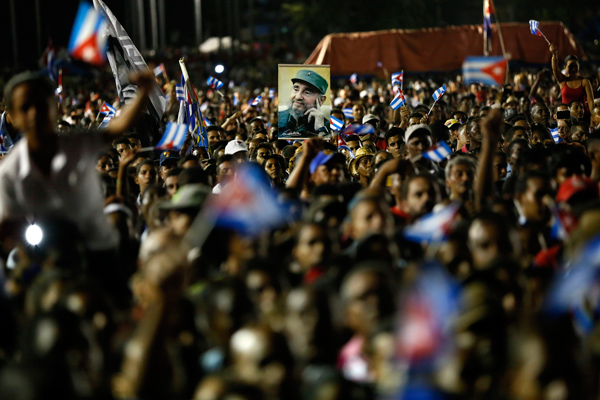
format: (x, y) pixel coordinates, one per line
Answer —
(304, 103)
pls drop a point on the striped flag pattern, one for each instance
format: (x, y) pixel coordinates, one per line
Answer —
(348, 113)
(256, 101)
(437, 152)
(335, 124)
(359, 129)
(555, 136)
(397, 78)
(174, 137)
(439, 93)
(214, 83)
(534, 27)
(398, 100)
(180, 93)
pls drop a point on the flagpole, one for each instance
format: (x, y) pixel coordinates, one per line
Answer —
(501, 41)
(433, 105)
(190, 89)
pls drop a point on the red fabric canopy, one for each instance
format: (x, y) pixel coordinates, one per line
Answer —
(436, 49)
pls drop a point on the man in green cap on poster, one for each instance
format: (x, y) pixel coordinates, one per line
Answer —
(304, 117)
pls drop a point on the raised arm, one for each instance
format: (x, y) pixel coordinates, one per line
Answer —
(119, 125)
(555, 69)
(484, 177)
(589, 92)
(299, 176)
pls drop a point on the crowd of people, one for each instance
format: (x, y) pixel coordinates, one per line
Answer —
(393, 274)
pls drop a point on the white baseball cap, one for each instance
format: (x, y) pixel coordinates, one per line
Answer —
(235, 146)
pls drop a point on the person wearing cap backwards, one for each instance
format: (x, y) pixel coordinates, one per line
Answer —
(304, 117)
(47, 174)
(418, 140)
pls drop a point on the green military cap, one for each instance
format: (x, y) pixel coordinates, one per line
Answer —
(313, 79)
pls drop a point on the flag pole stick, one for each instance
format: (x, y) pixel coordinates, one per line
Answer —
(143, 149)
(500, 37)
(433, 105)
(402, 82)
(218, 91)
(191, 91)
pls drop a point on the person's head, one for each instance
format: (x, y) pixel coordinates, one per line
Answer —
(460, 173)
(572, 65)
(380, 157)
(225, 168)
(368, 214)
(490, 238)
(540, 114)
(214, 134)
(530, 190)
(500, 166)
(361, 166)
(595, 120)
(540, 136)
(313, 246)
(327, 168)
(168, 161)
(513, 150)
(419, 195)
(172, 181)
(104, 163)
(275, 167)
(146, 174)
(516, 132)
(31, 104)
(184, 206)
(134, 140)
(309, 91)
(417, 139)
(122, 145)
(367, 299)
(353, 142)
(189, 161)
(473, 132)
(576, 109)
(257, 124)
(358, 112)
(238, 150)
(414, 119)
(393, 139)
(564, 129)
(579, 132)
(260, 153)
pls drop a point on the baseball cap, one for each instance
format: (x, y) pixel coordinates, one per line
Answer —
(416, 128)
(370, 117)
(189, 196)
(582, 186)
(235, 146)
(313, 79)
(451, 122)
(511, 99)
(169, 155)
(323, 158)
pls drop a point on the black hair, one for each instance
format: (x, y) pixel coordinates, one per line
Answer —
(521, 185)
(394, 131)
(34, 79)
(147, 162)
(189, 157)
(224, 158)
(174, 172)
(193, 175)
(121, 140)
(406, 184)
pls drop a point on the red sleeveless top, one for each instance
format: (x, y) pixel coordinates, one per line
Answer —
(568, 94)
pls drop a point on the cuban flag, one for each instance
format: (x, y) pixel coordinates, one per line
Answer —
(271, 93)
(439, 93)
(107, 109)
(534, 27)
(206, 121)
(247, 204)
(88, 37)
(488, 11)
(433, 227)
(437, 152)
(348, 113)
(358, 129)
(397, 78)
(342, 142)
(353, 78)
(335, 124)
(214, 83)
(160, 70)
(179, 93)
(488, 71)
(256, 101)
(555, 136)
(173, 137)
(398, 101)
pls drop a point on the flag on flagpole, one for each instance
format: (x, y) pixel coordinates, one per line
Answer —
(433, 227)
(555, 135)
(107, 109)
(488, 11)
(397, 78)
(125, 58)
(335, 124)
(438, 152)
(256, 101)
(206, 121)
(534, 27)
(348, 113)
(358, 129)
(488, 71)
(173, 137)
(342, 141)
(398, 100)
(214, 83)
(88, 41)
(353, 78)
(439, 93)
(179, 93)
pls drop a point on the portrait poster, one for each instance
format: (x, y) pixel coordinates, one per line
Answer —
(304, 101)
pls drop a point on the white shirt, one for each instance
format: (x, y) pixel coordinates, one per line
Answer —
(72, 191)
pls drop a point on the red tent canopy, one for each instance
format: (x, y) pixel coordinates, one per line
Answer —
(436, 49)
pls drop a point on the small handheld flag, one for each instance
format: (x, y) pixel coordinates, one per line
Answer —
(353, 78)
(439, 93)
(206, 122)
(397, 78)
(88, 41)
(214, 83)
(488, 11)
(174, 137)
(160, 70)
(433, 227)
(438, 152)
(256, 101)
(348, 113)
(335, 124)
(398, 101)
(358, 129)
(534, 27)
(107, 109)
(555, 135)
